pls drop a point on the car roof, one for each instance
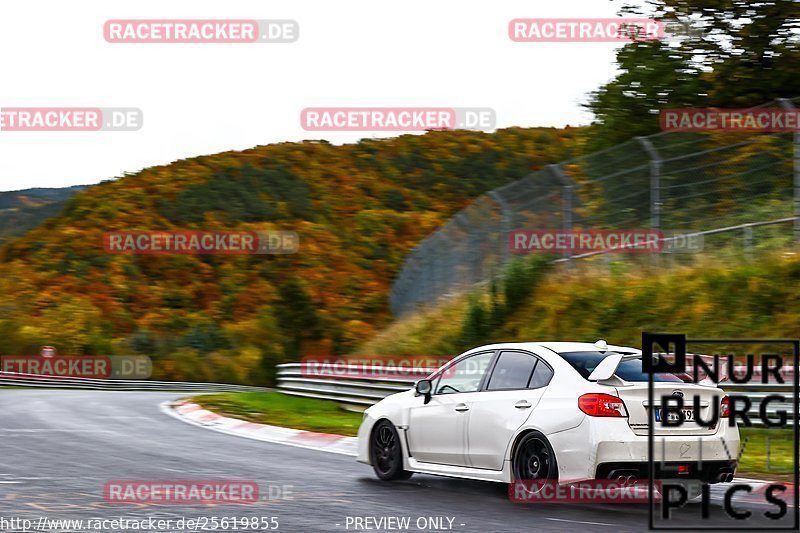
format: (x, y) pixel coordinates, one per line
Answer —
(562, 347)
(558, 347)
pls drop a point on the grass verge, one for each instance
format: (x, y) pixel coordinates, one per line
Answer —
(766, 453)
(279, 409)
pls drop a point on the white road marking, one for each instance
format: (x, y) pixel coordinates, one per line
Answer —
(51, 478)
(54, 430)
(117, 417)
(580, 522)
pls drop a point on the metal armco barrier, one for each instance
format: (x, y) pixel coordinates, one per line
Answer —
(12, 379)
(351, 387)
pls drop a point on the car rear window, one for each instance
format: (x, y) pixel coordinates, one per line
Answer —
(629, 370)
(512, 371)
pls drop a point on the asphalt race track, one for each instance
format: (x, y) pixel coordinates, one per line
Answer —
(59, 448)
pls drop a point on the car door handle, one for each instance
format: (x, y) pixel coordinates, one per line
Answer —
(462, 407)
(522, 404)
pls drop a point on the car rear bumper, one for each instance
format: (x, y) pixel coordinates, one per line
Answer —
(707, 471)
(598, 446)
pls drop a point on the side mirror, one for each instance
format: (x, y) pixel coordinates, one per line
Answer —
(424, 387)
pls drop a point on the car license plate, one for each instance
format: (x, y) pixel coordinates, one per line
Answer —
(688, 414)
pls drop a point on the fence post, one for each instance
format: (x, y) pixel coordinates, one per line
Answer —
(433, 266)
(655, 182)
(787, 104)
(748, 241)
(461, 264)
(416, 285)
(505, 225)
(655, 187)
(427, 274)
(472, 254)
(567, 196)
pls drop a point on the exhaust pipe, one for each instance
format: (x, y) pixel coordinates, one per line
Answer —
(621, 473)
(725, 477)
(623, 478)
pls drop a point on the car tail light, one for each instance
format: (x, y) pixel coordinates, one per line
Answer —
(725, 407)
(597, 404)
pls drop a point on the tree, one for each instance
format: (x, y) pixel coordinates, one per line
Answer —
(747, 54)
(652, 77)
(297, 316)
(520, 279)
(475, 328)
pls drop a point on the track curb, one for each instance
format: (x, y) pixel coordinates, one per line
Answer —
(192, 413)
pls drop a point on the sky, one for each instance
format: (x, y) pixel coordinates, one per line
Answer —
(199, 99)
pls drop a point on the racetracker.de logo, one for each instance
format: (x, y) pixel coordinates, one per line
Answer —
(201, 242)
(70, 119)
(589, 491)
(610, 30)
(397, 118)
(765, 120)
(181, 492)
(585, 241)
(192, 31)
(387, 367)
(77, 366)
(87, 366)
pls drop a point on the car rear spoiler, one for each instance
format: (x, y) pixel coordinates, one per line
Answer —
(608, 366)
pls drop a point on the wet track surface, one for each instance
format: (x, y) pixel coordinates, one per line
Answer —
(59, 448)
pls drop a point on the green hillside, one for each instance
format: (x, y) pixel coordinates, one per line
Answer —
(358, 209)
(26, 209)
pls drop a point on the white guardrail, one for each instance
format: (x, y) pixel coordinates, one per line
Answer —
(13, 379)
(351, 387)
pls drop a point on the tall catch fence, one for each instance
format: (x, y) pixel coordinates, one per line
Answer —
(714, 184)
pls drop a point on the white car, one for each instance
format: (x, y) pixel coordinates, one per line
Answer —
(561, 411)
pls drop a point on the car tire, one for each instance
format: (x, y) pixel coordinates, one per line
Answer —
(534, 460)
(386, 452)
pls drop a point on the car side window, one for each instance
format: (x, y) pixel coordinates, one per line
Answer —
(541, 377)
(513, 370)
(465, 375)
